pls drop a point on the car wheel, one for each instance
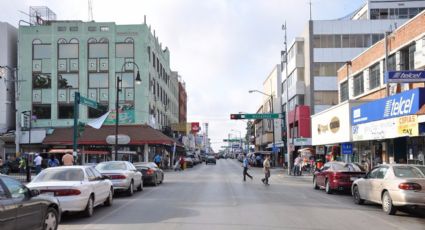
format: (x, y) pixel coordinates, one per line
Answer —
(315, 186)
(130, 190)
(51, 219)
(328, 187)
(88, 212)
(162, 179)
(356, 195)
(387, 204)
(108, 201)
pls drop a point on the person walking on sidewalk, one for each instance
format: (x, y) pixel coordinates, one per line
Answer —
(245, 165)
(266, 169)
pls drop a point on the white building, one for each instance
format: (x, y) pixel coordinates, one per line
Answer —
(8, 44)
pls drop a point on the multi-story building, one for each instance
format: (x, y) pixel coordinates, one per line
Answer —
(8, 43)
(391, 127)
(270, 104)
(59, 58)
(310, 76)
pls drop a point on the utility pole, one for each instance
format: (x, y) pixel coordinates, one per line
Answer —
(285, 59)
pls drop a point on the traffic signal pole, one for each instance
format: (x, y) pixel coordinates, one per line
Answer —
(76, 113)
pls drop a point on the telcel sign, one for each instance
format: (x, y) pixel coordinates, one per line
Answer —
(405, 76)
(402, 104)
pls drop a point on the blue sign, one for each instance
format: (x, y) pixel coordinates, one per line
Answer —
(405, 76)
(402, 104)
(347, 148)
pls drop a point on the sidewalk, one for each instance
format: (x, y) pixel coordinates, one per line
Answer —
(280, 171)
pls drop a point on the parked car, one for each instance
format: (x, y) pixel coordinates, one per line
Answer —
(78, 188)
(210, 159)
(22, 208)
(152, 174)
(337, 175)
(123, 174)
(189, 162)
(392, 186)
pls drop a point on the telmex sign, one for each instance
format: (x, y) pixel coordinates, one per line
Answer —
(402, 104)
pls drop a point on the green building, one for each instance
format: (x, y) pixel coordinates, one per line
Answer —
(58, 58)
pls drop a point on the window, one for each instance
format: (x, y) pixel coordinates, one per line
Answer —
(154, 60)
(73, 28)
(42, 51)
(68, 50)
(411, 63)
(374, 76)
(345, 41)
(90, 174)
(326, 68)
(98, 50)
(61, 28)
(358, 84)
(344, 91)
(391, 63)
(41, 81)
(16, 188)
(92, 28)
(127, 80)
(98, 80)
(104, 28)
(381, 173)
(66, 81)
(65, 111)
(123, 50)
(42, 111)
(407, 172)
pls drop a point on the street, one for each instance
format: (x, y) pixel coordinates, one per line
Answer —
(215, 197)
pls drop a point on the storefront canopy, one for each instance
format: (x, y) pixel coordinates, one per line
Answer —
(139, 135)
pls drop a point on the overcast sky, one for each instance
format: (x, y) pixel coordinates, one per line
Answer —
(221, 48)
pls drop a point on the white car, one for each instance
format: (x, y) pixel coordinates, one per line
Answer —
(123, 174)
(78, 188)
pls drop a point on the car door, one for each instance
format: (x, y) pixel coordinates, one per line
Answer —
(134, 174)
(8, 209)
(377, 184)
(365, 188)
(94, 185)
(30, 212)
(103, 184)
(322, 174)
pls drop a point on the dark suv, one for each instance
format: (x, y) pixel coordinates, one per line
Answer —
(210, 159)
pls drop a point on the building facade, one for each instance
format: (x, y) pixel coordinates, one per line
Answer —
(8, 60)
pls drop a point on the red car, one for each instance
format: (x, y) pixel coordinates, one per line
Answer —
(337, 176)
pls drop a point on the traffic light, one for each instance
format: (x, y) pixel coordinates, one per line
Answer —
(235, 116)
(81, 127)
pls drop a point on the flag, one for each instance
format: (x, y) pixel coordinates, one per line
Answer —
(98, 122)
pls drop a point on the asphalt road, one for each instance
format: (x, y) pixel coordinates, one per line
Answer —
(215, 197)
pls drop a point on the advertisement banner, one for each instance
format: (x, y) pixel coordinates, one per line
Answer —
(388, 128)
(126, 116)
(405, 76)
(195, 127)
(402, 104)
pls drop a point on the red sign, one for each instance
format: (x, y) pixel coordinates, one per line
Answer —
(195, 127)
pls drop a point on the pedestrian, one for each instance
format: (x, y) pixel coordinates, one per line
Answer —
(52, 162)
(245, 165)
(68, 159)
(166, 161)
(22, 165)
(266, 169)
(37, 162)
(297, 166)
(157, 160)
(182, 163)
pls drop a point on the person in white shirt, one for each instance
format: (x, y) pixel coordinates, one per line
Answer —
(37, 162)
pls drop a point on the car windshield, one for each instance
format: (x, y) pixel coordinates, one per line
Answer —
(348, 167)
(64, 174)
(108, 166)
(407, 172)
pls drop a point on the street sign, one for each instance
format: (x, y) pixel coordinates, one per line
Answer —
(89, 102)
(347, 148)
(260, 116)
(231, 140)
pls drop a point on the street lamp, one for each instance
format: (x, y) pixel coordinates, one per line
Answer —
(272, 110)
(118, 89)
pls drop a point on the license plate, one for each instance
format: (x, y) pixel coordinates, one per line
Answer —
(353, 178)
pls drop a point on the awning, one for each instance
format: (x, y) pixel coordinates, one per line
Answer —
(139, 135)
(88, 152)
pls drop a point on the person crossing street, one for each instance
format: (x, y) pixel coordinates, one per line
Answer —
(266, 169)
(245, 165)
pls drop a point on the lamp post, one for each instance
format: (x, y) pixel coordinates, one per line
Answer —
(272, 110)
(118, 89)
(285, 60)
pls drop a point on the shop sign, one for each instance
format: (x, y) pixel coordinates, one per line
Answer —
(347, 148)
(300, 141)
(402, 104)
(405, 76)
(384, 129)
(195, 127)
(126, 116)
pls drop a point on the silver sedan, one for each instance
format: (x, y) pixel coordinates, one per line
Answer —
(392, 186)
(123, 174)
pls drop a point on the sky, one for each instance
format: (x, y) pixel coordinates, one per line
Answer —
(221, 48)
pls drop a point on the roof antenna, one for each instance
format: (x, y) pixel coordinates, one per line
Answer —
(90, 11)
(310, 9)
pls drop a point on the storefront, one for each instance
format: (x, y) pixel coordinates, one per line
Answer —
(331, 128)
(389, 130)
